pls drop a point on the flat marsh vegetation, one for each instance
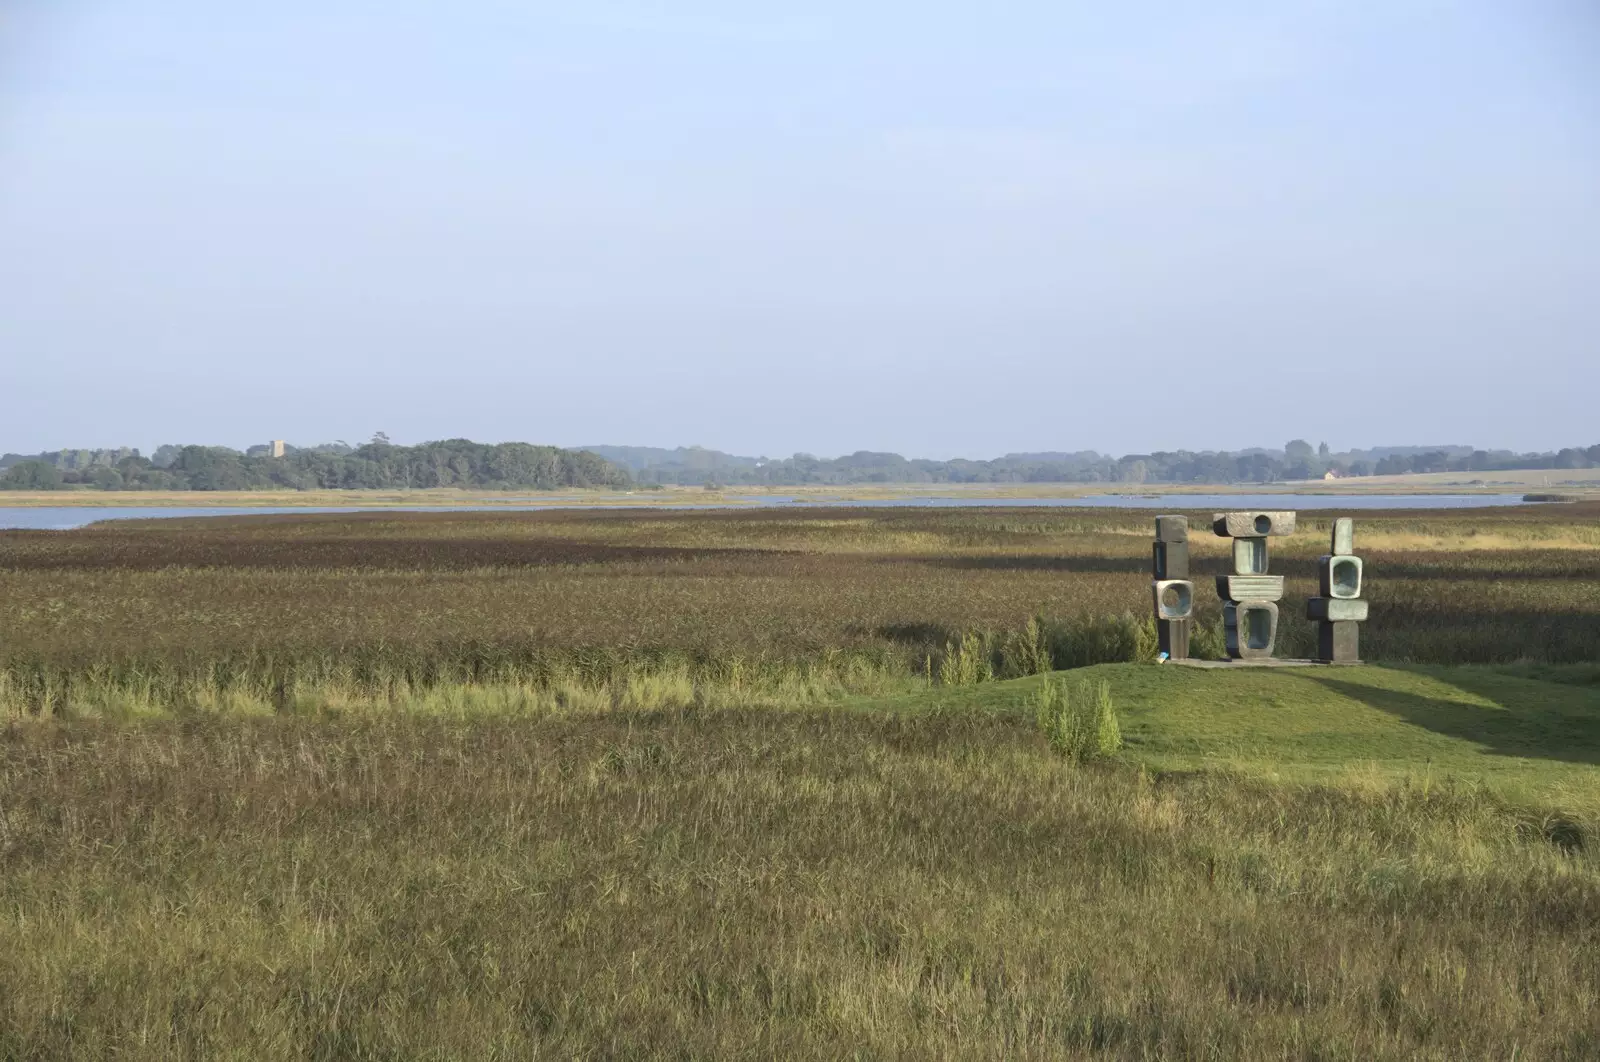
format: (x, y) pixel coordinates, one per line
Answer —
(777, 784)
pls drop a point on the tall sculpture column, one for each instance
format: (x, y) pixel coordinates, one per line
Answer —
(1250, 596)
(1340, 611)
(1174, 593)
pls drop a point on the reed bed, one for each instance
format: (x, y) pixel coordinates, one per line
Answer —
(289, 612)
(596, 785)
(756, 884)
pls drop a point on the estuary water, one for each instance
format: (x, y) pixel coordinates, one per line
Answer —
(64, 518)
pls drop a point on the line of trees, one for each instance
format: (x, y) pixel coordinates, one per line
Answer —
(1298, 460)
(461, 463)
(866, 467)
(377, 465)
(1486, 461)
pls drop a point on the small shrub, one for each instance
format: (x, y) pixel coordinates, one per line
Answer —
(1084, 641)
(1107, 732)
(1146, 643)
(1080, 724)
(967, 663)
(1207, 641)
(1026, 652)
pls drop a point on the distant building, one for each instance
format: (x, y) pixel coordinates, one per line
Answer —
(1330, 474)
(276, 448)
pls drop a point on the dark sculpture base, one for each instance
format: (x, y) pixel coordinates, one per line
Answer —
(1172, 637)
(1339, 642)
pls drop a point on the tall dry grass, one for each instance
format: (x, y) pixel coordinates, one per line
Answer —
(759, 884)
(290, 612)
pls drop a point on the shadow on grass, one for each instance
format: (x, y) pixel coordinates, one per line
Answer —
(116, 551)
(1497, 566)
(1528, 726)
(917, 634)
(1028, 562)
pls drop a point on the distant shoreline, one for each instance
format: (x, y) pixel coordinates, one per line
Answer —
(734, 496)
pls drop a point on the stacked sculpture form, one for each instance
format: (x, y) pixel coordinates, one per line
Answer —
(1340, 610)
(1174, 593)
(1250, 595)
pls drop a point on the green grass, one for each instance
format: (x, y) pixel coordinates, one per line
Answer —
(1529, 739)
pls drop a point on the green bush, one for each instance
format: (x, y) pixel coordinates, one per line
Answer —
(1080, 724)
(966, 663)
(1083, 641)
(1207, 641)
(1027, 651)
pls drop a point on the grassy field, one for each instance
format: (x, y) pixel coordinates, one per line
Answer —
(1320, 871)
(756, 784)
(298, 612)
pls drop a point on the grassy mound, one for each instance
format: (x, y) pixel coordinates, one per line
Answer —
(1530, 734)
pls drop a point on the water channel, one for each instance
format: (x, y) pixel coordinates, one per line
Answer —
(62, 518)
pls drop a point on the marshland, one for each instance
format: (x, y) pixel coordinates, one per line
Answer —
(774, 783)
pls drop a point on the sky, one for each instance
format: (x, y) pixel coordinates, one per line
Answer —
(933, 228)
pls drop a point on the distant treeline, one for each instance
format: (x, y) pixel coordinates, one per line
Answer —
(460, 463)
(1298, 460)
(377, 465)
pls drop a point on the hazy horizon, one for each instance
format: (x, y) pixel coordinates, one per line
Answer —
(916, 229)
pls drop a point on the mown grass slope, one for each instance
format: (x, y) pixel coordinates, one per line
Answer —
(1528, 734)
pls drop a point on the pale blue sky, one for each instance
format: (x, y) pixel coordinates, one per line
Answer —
(928, 227)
